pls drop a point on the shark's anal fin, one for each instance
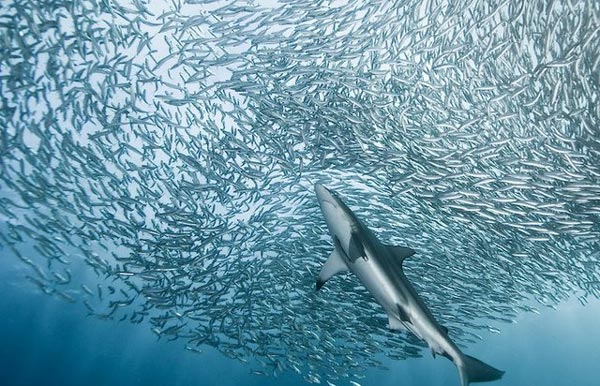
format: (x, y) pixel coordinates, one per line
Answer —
(396, 324)
(399, 320)
(400, 253)
(334, 264)
(402, 314)
(446, 355)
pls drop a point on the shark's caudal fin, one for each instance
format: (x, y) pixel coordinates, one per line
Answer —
(473, 370)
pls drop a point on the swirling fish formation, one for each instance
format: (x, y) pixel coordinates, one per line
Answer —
(157, 163)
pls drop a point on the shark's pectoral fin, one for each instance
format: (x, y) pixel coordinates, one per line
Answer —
(356, 248)
(400, 253)
(444, 329)
(334, 264)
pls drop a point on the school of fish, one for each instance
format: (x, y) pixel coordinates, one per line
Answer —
(157, 163)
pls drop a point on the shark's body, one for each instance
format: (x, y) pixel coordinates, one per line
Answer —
(379, 268)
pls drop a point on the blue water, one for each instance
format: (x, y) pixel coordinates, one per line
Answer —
(48, 342)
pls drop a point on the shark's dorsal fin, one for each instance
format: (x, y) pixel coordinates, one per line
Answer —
(334, 264)
(400, 253)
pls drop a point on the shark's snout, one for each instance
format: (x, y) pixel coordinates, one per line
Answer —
(324, 195)
(321, 190)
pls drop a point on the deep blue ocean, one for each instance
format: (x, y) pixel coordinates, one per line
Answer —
(48, 342)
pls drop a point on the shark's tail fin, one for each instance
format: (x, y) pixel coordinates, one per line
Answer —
(473, 370)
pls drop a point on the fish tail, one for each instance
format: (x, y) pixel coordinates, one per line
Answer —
(473, 370)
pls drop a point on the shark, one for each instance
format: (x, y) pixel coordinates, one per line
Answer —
(379, 268)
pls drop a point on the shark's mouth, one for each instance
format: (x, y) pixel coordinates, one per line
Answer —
(329, 202)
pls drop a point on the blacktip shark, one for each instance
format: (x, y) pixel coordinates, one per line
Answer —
(379, 267)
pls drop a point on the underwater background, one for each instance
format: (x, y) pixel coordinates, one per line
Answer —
(158, 223)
